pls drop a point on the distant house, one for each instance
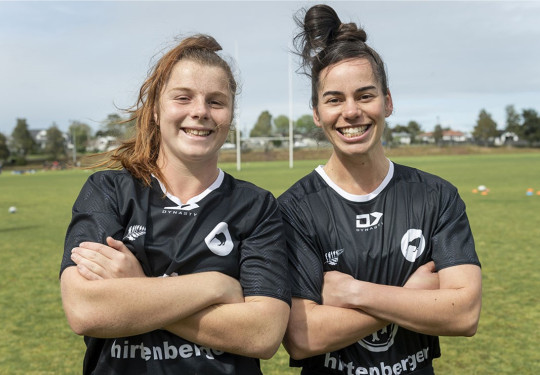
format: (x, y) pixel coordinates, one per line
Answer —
(448, 136)
(102, 143)
(40, 137)
(402, 138)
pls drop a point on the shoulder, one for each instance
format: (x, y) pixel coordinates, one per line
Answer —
(108, 184)
(246, 191)
(300, 190)
(110, 176)
(405, 174)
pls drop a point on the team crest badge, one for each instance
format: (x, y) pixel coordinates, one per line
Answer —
(413, 244)
(219, 240)
(381, 340)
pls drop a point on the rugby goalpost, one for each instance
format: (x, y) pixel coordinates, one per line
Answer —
(291, 123)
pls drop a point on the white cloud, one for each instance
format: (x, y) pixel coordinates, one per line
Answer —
(74, 60)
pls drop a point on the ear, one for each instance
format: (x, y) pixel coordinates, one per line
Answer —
(388, 105)
(316, 118)
(156, 117)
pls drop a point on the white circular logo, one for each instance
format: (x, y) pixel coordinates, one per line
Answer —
(381, 340)
(219, 240)
(413, 244)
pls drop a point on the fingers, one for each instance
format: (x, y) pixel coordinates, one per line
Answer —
(87, 248)
(116, 244)
(87, 268)
(87, 274)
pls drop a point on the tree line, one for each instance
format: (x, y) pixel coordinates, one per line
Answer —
(524, 124)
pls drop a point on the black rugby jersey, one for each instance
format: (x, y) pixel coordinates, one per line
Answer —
(412, 218)
(233, 227)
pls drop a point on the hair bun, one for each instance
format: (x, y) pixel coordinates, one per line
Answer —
(201, 41)
(350, 32)
(321, 28)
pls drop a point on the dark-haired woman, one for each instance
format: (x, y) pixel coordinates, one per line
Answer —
(208, 291)
(382, 258)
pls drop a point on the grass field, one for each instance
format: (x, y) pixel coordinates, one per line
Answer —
(35, 338)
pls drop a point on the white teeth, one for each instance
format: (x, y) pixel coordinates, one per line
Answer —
(353, 131)
(202, 133)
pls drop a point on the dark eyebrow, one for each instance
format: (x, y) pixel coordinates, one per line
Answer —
(361, 89)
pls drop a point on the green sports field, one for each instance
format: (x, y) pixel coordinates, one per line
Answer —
(35, 338)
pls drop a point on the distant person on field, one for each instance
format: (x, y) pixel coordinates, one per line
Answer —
(193, 279)
(382, 258)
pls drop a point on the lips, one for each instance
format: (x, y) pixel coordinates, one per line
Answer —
(353, 131)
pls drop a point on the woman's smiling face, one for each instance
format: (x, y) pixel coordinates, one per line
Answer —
(352, 107)
(195, 112)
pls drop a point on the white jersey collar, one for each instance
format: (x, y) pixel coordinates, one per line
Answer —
(216, 184)
(354, 197)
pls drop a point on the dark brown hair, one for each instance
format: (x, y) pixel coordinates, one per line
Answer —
(325, 40)
(139, 154)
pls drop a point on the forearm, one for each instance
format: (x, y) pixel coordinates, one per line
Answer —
(452, 310)
(316, 329)
(254, 328)
(130, 306)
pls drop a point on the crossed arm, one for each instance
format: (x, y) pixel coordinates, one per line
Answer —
(445, 305)
(108, 295)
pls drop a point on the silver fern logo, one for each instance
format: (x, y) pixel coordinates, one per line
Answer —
(332, 257)
(134, 232)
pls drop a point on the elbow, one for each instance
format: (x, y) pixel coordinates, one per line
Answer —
(472, 318)
(470, 327)
(82, 320)
(78, 323)
(261, 347)
(299, 346)
(269, 344)
(267, 350)
(468, 323)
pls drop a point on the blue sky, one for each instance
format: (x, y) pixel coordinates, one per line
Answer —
(76, 60)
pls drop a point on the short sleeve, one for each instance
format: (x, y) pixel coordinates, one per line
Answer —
(305, 260)
(94, 215)
(452, 241)
(263, 260)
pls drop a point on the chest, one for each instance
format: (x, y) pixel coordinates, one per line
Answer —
(197, 237)
(381, 241)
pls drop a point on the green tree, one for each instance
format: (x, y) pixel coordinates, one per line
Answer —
(115, 126)
(485, 128)
(263, 126)
(400, 129)
(4, 150)
(438, 134)
(306, 126)
(513, 120)
(80, 134)
(530, 129)
(22, 141)
(414, 128)
(281, 124)
(55, 145)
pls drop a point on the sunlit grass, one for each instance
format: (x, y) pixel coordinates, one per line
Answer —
(37, 340)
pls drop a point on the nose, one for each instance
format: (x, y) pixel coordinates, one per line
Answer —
(199, 109)
(351, 109)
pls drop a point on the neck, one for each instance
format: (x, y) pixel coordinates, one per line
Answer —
(186, 181)
(358, 174)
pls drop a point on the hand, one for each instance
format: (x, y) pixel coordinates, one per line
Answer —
(336, 289)
(425, 277)
(96, 261)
